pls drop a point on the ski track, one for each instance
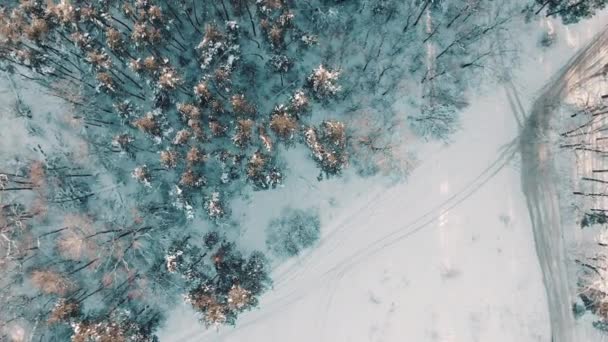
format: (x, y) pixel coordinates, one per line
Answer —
(336, 272)
(336, 235)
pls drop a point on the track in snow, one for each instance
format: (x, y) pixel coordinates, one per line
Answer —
(541, 194)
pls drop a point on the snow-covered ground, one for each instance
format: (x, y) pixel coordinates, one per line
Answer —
(448, 255)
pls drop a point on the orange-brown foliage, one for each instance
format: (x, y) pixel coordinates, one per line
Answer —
(283, 124)
(50, 282)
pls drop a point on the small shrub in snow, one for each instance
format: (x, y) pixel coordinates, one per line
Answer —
(593, 218)
(294, 231)
(547, 38)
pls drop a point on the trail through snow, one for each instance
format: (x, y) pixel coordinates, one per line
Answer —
(541, 189)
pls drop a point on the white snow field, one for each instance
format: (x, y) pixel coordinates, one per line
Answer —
(448, 255)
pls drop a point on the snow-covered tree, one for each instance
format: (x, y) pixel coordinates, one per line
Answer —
(294, 231)
(570, 11)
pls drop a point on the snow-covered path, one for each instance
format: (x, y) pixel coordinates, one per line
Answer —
(540, 186)
(543, 204)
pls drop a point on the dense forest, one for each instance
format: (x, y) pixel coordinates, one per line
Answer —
(119, 207)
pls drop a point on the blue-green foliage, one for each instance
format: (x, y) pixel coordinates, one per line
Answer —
(174, 101)
(294, 231)
(570, 11)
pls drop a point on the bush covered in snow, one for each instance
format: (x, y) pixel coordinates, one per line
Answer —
(294, 231)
